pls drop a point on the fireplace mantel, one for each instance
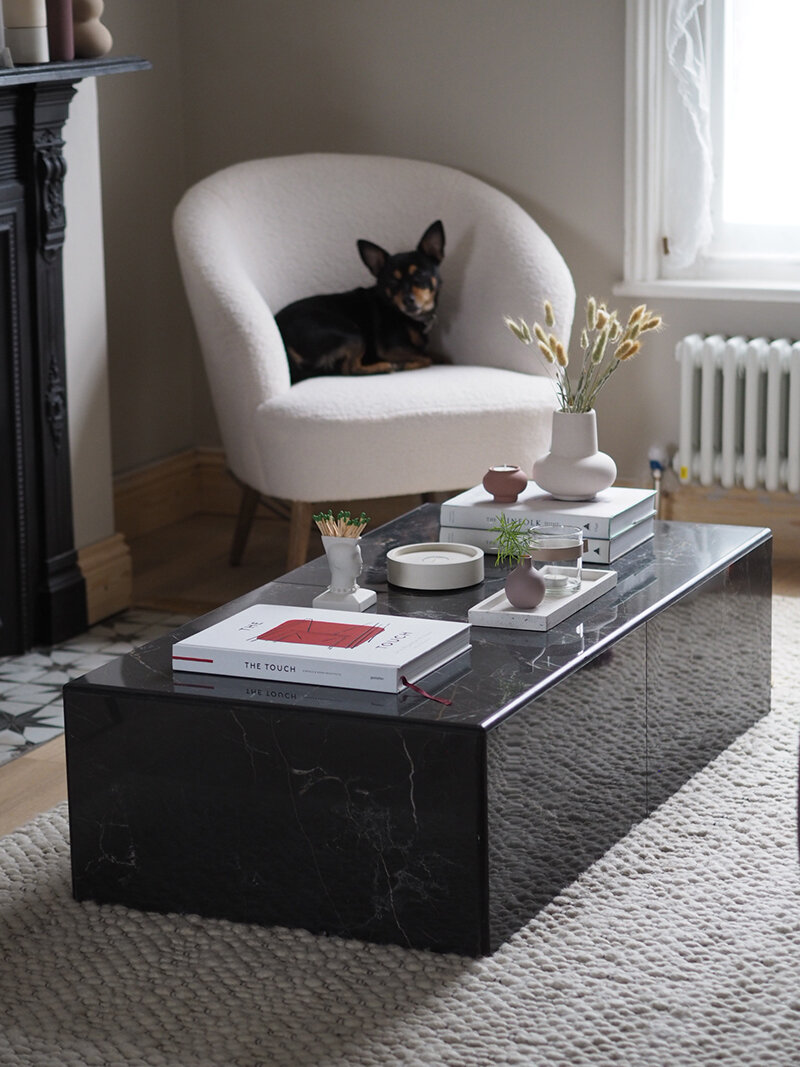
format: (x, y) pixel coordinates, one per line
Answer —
(42, 590)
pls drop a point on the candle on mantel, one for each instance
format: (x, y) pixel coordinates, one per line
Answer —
(5, 55)
(60, 37)
(26, 30)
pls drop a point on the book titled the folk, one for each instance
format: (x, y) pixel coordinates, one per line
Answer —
(614, 510)
(314, 646)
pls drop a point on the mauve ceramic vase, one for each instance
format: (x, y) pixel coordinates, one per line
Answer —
(505, 483)
(574, 468)
(525, 587)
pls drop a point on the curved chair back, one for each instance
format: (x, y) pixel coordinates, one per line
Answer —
(257, 235)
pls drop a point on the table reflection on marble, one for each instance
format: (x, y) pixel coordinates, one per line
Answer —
(398, 818)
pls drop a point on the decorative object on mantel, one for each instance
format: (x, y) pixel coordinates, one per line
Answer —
(434, 566)
(92, 39)
(5, 53)
(60, 36)
(505, 482)
(574, 469)
(524, 545)
(26, 30)
(341, 539)
(498, 611)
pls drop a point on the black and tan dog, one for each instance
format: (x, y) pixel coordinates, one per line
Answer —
(369, 330)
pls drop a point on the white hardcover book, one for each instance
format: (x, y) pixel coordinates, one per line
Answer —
(600, 550)
(315, 646)
(612, 511)
(595, 549)
(323, 697)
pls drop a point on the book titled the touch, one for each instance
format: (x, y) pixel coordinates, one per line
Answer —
(315, 646)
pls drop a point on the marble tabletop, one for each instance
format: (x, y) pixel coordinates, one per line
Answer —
(505, 669)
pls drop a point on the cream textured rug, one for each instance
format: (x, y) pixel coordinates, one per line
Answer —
(681, 946)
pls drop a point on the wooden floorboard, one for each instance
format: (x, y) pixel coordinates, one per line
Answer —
(31, 784)
(183, 568)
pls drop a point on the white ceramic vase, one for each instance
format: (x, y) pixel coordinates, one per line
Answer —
(344, 592)
(574, 468)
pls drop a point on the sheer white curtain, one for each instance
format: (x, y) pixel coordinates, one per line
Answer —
(688, 167)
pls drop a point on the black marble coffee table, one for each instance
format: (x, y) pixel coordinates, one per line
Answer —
(398, 819)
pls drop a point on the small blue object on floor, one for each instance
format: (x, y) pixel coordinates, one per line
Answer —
(31, 708)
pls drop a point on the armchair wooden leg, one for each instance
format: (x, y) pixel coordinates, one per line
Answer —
(299, 533)
(247, 509)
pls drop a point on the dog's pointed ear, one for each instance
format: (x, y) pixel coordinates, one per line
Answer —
(432, 242)
(373, 255)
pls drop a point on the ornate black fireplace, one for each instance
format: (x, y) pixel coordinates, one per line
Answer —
(42, 591)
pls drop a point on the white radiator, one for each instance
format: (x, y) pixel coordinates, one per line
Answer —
(739, 412)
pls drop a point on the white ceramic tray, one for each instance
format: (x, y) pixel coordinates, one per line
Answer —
(496, 610)
(434, 565)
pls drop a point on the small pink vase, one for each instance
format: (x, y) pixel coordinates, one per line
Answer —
(505, 483)
(525, 587)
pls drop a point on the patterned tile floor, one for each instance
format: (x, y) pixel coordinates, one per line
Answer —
(31, 707)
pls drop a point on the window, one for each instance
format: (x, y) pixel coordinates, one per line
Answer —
(712, 148)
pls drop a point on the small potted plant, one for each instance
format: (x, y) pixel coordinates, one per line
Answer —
(524, 586)
(522, 545)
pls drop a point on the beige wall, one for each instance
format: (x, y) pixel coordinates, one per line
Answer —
(151, 362)
(526, 94)
(85, 325)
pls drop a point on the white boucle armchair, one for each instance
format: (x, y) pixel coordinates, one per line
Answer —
(257, 235)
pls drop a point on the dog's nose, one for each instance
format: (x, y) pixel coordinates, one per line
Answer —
(422, 298)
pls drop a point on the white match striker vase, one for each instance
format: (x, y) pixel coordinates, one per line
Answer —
(574, 468)
(344, 593)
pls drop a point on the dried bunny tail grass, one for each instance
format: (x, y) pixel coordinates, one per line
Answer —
(653, 323)
(604, 343)
(541, 336)
(627, 350)
(521, 329)
(599, 349)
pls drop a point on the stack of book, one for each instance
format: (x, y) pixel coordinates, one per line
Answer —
(616, 521)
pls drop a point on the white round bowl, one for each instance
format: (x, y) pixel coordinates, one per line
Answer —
(434, 565)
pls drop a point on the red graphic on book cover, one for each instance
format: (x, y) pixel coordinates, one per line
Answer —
(314, 632)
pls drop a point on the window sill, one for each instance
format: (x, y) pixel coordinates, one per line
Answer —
(765, 292)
